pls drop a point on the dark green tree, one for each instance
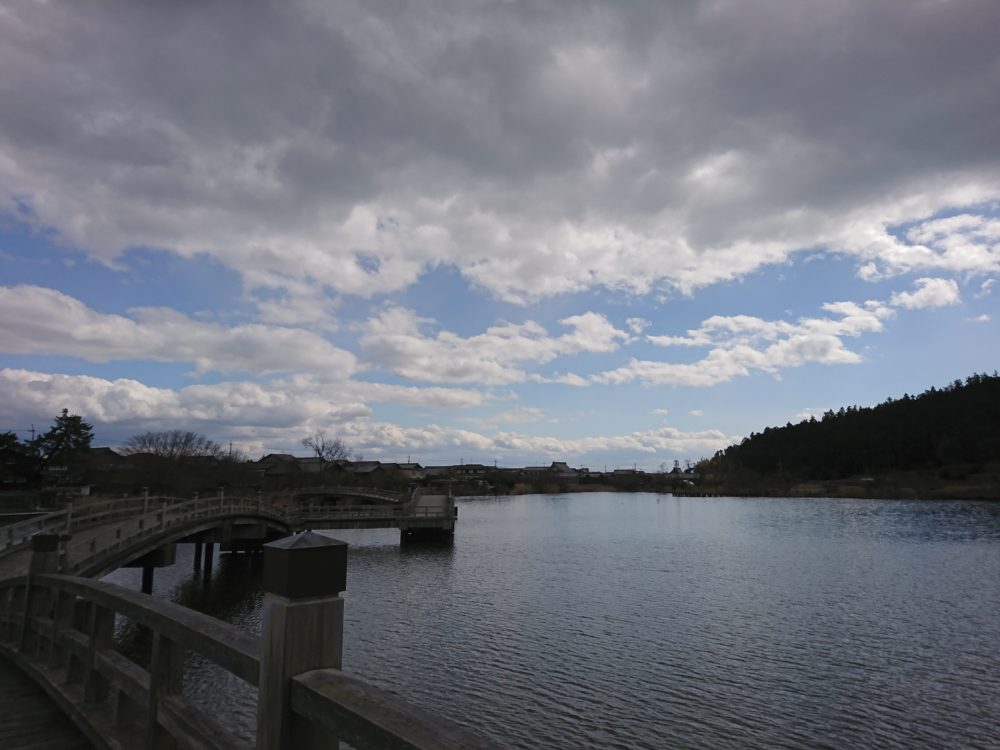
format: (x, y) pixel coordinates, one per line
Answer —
(9, 440)
(68, 437)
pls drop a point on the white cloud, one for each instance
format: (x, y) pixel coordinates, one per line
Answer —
(986, 288)
(394, 340)
(539, 150)
(296, 403)
(660, 412)
(45, 321)
(984, 318)
(666, 439)
(524, 415)
(637, 325)
(696, 413)
(277, 415)
(929, 293)
(577, 381)
(740, 344)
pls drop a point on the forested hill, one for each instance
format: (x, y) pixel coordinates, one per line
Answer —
(955, 426)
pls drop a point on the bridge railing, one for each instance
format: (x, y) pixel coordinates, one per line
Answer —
(74, 516)
(60, 629)
(158, 517)
(81, 515)
(374, 493)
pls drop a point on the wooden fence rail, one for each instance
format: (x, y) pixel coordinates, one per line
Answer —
(60, 630)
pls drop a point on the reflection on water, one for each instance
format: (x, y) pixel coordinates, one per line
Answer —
(644, 621)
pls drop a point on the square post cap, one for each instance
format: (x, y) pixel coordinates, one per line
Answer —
(305, 565)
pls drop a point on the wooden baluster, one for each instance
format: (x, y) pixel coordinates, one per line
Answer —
(166, 672)
(18, 599)
(303, 629)
(44, 559)
(62, 620)
(8, 604)
(76, 667)
(102, 632)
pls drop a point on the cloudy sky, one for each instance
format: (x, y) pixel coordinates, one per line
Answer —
(606, 233)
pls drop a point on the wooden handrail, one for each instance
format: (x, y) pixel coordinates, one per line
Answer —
(370, 718)
(59, 629)
(233, 649)
(62, 630)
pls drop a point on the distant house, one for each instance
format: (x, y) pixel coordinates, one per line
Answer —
(562, 470)
(471, 470)
(106, 459)
(17, 470)
(277, 464)
(412, 470)
(311, 465)
(366, 468)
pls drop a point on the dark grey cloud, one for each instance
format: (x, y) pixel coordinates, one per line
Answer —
(540, 148)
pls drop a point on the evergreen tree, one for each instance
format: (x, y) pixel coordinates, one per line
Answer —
(68, 437)
(956, 426)
(9, 440)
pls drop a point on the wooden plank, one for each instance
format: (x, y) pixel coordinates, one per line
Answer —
(231, 648)
(125, 675)
(194, 729)
(369, 718)
(29, 719)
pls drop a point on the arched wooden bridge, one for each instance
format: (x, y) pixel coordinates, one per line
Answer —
(57, 627)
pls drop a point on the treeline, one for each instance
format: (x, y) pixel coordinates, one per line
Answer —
(955, 428)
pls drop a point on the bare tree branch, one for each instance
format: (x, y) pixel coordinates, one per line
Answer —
(326, 448)
(173, 444)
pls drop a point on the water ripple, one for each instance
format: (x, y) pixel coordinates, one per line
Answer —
(641, 621)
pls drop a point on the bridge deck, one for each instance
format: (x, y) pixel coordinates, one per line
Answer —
(29, 718)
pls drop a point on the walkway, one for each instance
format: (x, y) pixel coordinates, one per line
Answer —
(29, 719)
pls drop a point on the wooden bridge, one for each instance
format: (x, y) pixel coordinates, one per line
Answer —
(57, 626)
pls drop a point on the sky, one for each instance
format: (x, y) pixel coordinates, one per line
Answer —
(612, 234)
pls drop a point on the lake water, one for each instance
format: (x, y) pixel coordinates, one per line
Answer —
(647, 621)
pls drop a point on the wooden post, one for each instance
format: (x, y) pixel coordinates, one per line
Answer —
(209, 551)
(44, 559)
(80, 619)
(147, 579)
(303, 629)
(197, 556)
(166, 671)
(62, 620)
(102, 634)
